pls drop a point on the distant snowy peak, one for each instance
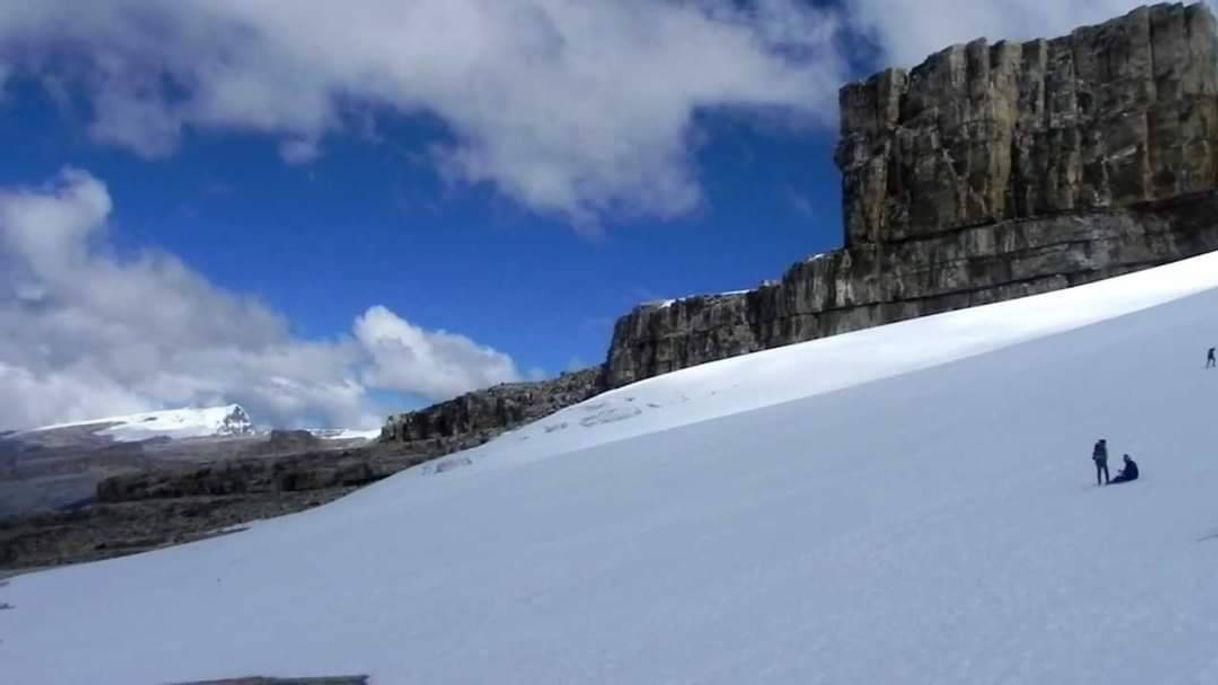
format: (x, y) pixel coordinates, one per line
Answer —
(230, 420)
(223, 421)
(235, 421)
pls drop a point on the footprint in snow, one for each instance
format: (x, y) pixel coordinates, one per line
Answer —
(609, 415)
(450, 464)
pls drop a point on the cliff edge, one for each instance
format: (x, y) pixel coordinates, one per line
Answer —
(987, 172)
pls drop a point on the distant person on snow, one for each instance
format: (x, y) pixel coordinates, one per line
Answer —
(1130, 472)
(1100, 456)
(1210, 362)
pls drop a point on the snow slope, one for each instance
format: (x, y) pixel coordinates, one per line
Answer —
(229, 419)
(907, 504)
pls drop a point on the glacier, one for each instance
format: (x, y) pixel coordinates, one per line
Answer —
(910, 503)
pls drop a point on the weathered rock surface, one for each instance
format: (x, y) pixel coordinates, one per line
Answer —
(875, 284)
(1109, 115)
(476, 417)
(984, 174)
(110, 530)
(658, 338)
(314, 470)
(168, 505)
(282, 441)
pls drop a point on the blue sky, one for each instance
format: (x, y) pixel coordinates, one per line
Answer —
(287, 206)
(369, 222)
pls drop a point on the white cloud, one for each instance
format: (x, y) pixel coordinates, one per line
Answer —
(89, 334)
(434, 363)
(579, 108)
(299, 150)
(907, 31)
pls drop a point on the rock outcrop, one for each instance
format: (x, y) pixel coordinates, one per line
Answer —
(117, 529)
(476, 417)
(1110, 115)
(316, 470)
(236, 422)
(984, 174)
(171, 504)
(283, 441)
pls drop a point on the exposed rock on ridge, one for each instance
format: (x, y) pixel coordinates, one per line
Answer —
(305, 471)
(984, 174)
(475, 417)
(858, 288)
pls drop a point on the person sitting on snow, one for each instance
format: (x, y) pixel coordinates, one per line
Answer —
(1130, 472)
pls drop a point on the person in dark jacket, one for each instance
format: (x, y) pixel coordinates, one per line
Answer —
(1209, 359)
(1130, 472)
(1100, 456)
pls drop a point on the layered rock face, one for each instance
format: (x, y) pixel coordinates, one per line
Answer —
(297, 472)
(1109, 115)
(478, 416)
(984, 174)
(657, 338)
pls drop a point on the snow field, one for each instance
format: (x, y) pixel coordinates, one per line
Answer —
(912, 503)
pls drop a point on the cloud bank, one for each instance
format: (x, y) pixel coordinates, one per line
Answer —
(89, 333)
(576, 108)
(583, 109)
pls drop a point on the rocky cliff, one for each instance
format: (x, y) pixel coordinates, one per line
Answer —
(1109, 115)
(475, 417)
(988, 172)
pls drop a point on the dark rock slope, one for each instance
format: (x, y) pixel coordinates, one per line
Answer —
(475, 417)
(170, 504)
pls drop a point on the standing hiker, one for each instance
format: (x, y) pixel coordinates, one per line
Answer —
(1210, 362)
(1130, 472)
(1100, 456)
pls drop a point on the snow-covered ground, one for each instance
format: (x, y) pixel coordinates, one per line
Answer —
(345, 433)
(229, 419)
(908, 504)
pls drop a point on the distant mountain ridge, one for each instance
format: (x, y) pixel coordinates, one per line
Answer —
(223, 421)
(60, 465)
